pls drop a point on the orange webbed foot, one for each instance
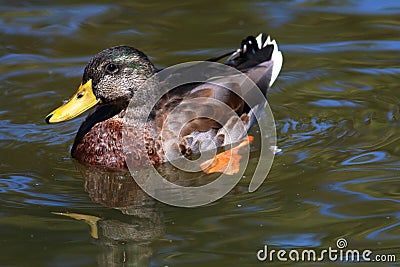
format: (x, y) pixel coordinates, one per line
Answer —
(227, 162)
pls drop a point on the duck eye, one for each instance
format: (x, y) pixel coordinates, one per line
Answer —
(112, 68)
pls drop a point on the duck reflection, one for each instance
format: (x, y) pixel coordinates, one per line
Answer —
(125, 240)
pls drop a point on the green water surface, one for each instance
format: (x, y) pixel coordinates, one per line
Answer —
(336, 106)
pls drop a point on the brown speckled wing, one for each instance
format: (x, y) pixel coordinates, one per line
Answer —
(189, 116)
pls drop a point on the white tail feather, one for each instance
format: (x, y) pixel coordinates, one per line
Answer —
(276, 57)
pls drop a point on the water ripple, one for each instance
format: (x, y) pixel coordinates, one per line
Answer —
(331, 103)
(343, 46)
(47, 20)
(364, 189)
(295, 240)
(10, 132)
(19, 188)
(365, 158)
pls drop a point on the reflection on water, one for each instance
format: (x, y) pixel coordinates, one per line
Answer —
(336, 106)
(125, 241)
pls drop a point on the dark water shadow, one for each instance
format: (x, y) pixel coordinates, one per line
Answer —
(126, 239)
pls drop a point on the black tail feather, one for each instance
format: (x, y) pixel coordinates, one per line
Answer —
(215, 59)
(250, 53)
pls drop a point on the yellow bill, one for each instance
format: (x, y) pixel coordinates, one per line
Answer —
(81, 101)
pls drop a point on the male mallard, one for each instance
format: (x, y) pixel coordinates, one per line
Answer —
(114, 76)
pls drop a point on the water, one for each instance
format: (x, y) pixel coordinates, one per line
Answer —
(336, 105)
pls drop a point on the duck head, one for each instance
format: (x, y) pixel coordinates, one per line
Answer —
(111, 77)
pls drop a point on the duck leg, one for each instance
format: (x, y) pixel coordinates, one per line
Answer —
(227, 162)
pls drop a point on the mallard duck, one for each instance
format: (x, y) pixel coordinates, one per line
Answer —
(112, 78)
